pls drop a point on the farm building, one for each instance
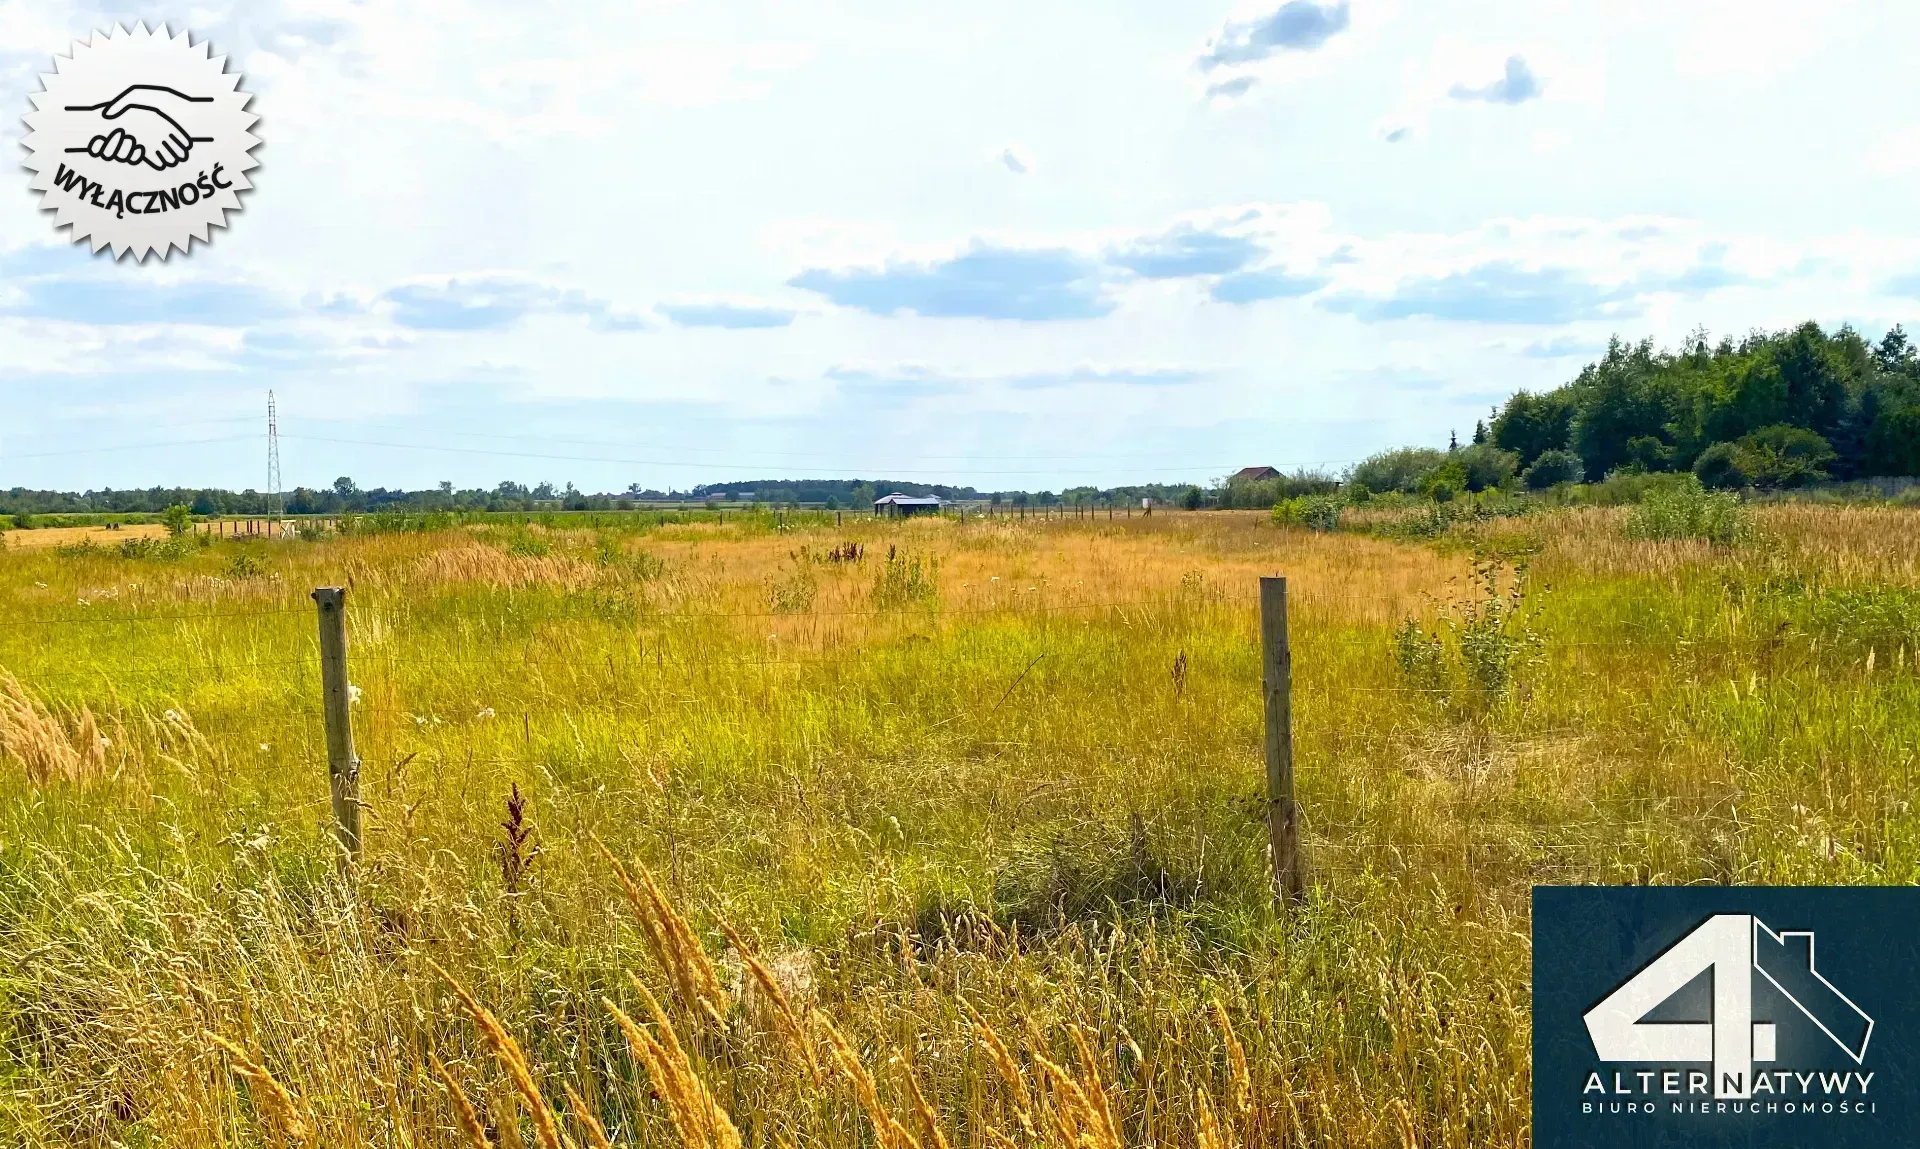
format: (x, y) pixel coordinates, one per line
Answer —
(898, 505)
(1254, 475)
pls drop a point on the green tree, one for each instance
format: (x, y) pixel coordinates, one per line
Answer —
(1893, 443)
(177, 518)
(1484, 466)
(1401, 469)
(1551, 469)
(1722, 467)
(1783, 456)
(1621, 398)
(1533, 424)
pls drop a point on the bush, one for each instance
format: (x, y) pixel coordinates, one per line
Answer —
(1483, 648)
(1782, 456)
(1553, 468)
(23, 521)
(906, 580)
(1719, 467)
(1315, 512)
(1484, 466)
(1687, 510)
(177, 519)
(164, 550)
(1402, 469)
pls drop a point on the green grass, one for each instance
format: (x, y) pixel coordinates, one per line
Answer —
(970, 782)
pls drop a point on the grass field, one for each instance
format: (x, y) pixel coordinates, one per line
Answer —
(68, 536)
(981, 803)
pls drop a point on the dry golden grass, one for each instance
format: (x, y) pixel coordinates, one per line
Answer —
(41, 538)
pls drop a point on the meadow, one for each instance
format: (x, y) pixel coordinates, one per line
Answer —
(910, 834)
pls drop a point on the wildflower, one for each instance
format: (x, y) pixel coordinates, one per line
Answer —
(353, 694)
(485, 712)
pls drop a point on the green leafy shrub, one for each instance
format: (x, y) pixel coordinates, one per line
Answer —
(1481, 649)
(178, 519)
(1687, 510)
(1553, 468)
(1402, 469)
(906, 580)
(1721, 468)
(1878, 620)
(160, 550)
(1315, 512)
(793, 594)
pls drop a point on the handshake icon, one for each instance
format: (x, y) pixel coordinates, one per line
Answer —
(142, 125)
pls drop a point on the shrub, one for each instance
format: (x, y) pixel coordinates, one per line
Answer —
(1401, 469)
(1553, 468)
(23, 521)
(1782, 456)
(177, 519)
(164, 550)
(1483, 466)
(793, 594)
(1687, 510)
(526, 545)
(1882, 620)
(906, 580)
(1719, 466)
(1315, 512)
(1481, 650)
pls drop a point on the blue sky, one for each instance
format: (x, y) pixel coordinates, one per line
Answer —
(1005, 244)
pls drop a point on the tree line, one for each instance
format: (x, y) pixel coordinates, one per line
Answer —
(1778, 409)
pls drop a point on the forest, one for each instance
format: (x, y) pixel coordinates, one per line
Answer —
(1775, 410)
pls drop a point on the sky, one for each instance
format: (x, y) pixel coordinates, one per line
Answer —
(1005, 244)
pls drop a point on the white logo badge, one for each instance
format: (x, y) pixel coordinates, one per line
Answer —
(140, 141)
(1738, 948)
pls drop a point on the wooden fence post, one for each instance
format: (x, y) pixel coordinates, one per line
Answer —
(343, 766)
(1276, 681)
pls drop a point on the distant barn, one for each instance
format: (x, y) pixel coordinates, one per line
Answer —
(1254, 475)
(900, 506)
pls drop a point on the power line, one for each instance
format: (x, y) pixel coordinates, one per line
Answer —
(130, 447)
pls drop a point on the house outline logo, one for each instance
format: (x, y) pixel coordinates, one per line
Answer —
(1738, 949)
(140, 140)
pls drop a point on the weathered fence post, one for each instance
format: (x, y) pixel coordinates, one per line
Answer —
(343, 766)
(1276, 681)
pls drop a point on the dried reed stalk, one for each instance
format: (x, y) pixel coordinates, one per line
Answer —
(785, 1019)
(671, 939)
(1007, 1067)
(702, 1123)
(507, 1050)
(271, 1096)
(887, 1128)
(463, 1110)
(1236, 1059)
(596, 1132)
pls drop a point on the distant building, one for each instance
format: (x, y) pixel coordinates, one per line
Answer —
(900, 506)
(1254, 475)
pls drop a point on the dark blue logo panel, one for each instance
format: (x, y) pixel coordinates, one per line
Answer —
(1717, 1016)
